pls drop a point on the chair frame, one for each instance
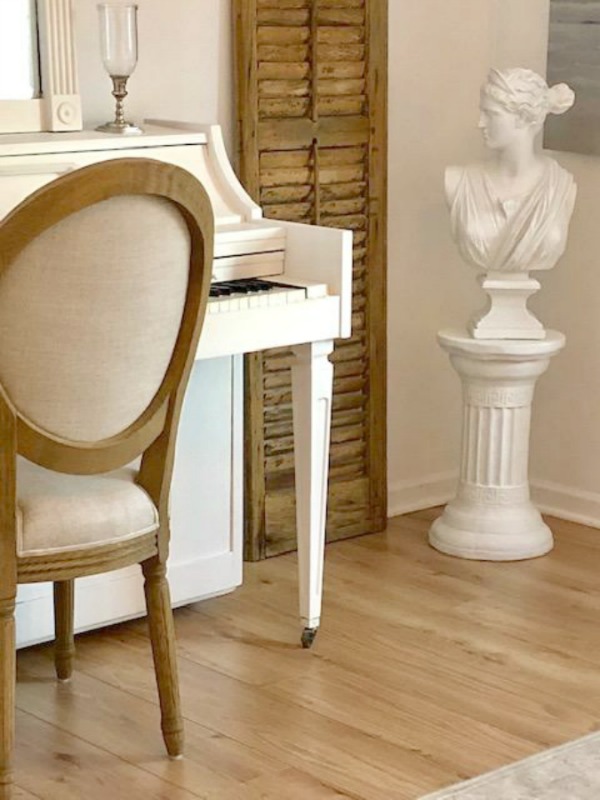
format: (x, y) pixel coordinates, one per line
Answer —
(152, 436)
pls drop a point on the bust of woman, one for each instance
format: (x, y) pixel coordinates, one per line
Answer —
(510, 213)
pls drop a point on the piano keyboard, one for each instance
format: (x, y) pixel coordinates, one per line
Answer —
(247, 293)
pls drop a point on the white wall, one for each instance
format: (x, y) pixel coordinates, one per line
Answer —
(565, 462)
(440, 51)
(184, 68)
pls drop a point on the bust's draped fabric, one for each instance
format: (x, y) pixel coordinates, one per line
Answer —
(517, 235)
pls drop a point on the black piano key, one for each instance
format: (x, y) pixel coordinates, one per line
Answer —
(216, 290)
(235, 287)
(246, 285)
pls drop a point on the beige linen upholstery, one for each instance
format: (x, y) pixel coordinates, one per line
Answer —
(59, 512)
(97, 300)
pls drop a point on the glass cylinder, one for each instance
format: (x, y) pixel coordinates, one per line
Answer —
(118, 37)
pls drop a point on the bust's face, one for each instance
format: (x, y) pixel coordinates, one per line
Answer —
(499, 127)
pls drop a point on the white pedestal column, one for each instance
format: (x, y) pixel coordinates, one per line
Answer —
(492, 517)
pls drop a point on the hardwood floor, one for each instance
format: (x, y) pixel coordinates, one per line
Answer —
(427, 670)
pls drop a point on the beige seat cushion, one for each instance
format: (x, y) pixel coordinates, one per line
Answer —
(61, 512)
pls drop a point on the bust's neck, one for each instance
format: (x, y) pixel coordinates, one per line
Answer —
(515, 170)
(517, 159)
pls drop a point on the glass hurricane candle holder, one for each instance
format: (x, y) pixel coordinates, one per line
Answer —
(118, 45)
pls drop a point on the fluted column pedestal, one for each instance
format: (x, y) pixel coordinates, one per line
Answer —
(492, 517)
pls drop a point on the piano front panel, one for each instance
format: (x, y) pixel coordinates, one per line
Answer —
(255, 329)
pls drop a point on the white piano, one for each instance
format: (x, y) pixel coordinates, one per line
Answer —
(310, 307)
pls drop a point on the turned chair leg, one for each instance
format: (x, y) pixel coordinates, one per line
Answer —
(7, 697)
(64, 639)
(162, 636)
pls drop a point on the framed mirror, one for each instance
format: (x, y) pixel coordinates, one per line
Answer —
(38, 80)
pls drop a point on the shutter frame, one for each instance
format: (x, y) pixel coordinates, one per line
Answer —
(312, 138)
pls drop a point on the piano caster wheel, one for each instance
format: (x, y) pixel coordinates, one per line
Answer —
(308, 637)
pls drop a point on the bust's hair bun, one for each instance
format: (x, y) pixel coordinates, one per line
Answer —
(560, 98)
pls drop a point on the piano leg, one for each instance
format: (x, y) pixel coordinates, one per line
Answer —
(312, 384)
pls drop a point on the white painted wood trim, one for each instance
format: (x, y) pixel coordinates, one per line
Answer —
(59, 108)
(567, 502)
(564, 502)
(20, 115)
(61, 103)
(326, 257)
(237, 470)
(429, 490)
(47, 144)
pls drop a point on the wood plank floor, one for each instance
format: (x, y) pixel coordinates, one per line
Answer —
(427, 670)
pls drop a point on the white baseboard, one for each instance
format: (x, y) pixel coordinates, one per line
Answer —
(433, 490)
(567, 502)
(564, 502)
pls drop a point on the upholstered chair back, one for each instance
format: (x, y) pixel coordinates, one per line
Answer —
(89, 316)
(91, 306)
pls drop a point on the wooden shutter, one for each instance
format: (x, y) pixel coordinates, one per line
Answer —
(311, 102)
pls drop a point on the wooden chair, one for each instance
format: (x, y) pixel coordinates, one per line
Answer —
(104, 280)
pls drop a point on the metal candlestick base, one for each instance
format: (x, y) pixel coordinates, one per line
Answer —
(126, 128)
(119, 125)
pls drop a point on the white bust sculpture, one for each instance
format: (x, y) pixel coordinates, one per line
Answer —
(510, 214)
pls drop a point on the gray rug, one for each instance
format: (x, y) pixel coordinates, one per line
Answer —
(568, 772)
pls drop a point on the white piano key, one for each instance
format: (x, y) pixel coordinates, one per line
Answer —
(257, 301)
(217, 305)
(313, 289)
(294, 295)
(275, 298)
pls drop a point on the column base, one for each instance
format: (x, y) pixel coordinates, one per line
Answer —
(490, 533)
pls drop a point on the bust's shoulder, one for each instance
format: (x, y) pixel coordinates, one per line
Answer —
(562, 184)
(454, 175)
(557, 171)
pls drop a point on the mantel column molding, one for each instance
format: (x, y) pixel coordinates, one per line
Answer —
(61, 103)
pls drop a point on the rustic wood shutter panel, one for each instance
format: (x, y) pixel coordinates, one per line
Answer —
(311, 102)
